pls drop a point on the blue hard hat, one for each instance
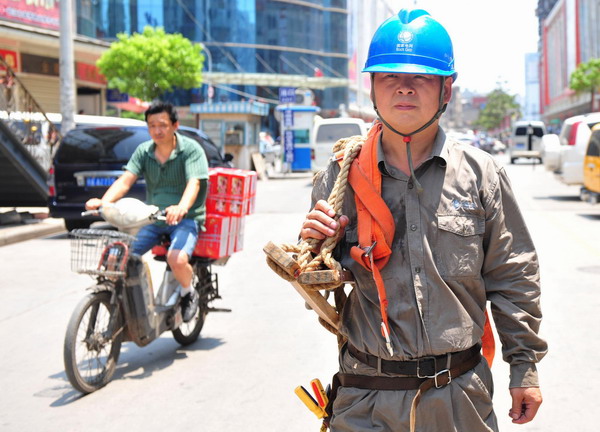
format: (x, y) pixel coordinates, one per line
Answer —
(411, 42)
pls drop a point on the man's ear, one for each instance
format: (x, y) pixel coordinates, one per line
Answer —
(447, 89)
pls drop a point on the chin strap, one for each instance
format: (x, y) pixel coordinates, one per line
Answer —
(407, 138)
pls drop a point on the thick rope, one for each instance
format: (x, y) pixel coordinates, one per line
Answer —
(307, 263)
(308, 254)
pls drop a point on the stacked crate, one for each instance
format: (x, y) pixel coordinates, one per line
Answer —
(231, 197)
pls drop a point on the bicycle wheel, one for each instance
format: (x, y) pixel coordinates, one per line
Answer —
(91, 351)
(187, 333)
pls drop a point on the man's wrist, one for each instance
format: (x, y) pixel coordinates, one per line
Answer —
(523, 375)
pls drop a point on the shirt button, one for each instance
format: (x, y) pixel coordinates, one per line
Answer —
(417, 269)
(413, 227)
(410, 185)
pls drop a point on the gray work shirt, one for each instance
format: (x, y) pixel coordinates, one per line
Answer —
(458, 243)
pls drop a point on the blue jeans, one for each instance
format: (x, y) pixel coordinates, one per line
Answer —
(183, 237)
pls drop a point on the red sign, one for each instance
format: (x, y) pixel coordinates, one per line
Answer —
(38, 13)
(88, 72)
(11, 58)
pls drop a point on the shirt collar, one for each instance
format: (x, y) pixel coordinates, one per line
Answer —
(439, 151)
(173, 154)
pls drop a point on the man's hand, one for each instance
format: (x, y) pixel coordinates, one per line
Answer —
(320, 222)
(525, 403)
(93, 204)
(175, 213)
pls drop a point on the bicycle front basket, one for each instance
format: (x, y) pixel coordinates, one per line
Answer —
(100, 252)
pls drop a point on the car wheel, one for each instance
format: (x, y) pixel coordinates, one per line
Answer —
(512, 160)
(72, 224)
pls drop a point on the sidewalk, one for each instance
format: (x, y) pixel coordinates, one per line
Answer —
(20, 224)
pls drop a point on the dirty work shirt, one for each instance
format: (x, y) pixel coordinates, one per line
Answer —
(166, 182)
(461, 241)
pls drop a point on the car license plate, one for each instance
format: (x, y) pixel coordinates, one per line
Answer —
(99, 181)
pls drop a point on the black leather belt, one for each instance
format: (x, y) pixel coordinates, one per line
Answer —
(421, 367)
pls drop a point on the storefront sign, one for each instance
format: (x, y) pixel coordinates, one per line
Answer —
(114, 95)
(288, 146)
(37, 13)
(287, 95)
(88, 72)
(288, 118)
(11, 58)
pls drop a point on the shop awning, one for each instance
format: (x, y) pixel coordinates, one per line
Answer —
(133, 104)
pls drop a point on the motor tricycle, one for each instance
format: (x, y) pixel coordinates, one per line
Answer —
(121, 306)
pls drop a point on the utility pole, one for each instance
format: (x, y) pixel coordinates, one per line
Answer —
(67, 69)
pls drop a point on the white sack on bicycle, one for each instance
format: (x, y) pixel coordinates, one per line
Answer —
(129, 213)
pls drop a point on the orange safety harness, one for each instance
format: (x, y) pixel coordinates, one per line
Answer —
(376, 229)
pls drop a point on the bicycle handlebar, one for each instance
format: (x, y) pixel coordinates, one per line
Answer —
(159, 216)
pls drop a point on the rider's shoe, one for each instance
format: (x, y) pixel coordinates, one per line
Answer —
(189, 305)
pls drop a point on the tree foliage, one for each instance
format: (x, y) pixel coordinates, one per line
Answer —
(149, 64)
(499, 105)
(586, 78)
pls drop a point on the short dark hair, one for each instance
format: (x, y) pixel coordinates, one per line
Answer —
(158, 107)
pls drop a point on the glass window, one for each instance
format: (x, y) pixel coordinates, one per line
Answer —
(234, 133)
(101, 144)
(333, 132)
(594, 146)
(212, 128)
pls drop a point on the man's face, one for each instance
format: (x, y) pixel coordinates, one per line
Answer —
(161, 129)
(408, 101)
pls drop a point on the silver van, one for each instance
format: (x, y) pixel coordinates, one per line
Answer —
(525, 141)
(325, 134)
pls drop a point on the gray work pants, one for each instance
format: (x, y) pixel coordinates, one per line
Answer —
(465, 405)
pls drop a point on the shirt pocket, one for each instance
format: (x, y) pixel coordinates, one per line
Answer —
(459, 247)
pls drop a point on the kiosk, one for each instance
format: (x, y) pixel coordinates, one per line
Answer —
(296, 126)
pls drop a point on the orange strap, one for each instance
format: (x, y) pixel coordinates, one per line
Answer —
(376, 229)
(375, 221)
(488, 345)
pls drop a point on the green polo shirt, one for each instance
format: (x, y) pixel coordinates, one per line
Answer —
(166, 182)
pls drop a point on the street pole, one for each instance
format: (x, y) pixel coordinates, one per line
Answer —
(210, 90)
(66, 67)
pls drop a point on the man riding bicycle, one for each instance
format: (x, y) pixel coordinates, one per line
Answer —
(176, 173)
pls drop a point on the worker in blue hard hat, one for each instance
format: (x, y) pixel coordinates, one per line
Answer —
(431, 232)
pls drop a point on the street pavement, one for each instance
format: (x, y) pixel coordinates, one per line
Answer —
(241, 374)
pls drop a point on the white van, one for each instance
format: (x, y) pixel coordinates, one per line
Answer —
(325, 134)
(525, 141)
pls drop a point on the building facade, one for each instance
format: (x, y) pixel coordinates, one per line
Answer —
(251, 47)
(531, 105)
(570, 35)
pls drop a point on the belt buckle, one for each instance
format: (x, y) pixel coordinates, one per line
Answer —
(436, 373)
(435, 378)
(369, 249)
(419, 360)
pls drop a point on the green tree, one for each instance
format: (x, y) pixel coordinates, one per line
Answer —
(499, 105)
(586, 78)
(149, 64)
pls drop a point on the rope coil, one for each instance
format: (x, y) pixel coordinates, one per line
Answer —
(313, 254)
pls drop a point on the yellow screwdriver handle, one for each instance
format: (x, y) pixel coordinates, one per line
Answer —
(310, 403)
(319, 392)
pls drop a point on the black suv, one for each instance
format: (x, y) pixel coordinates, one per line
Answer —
(90, 159)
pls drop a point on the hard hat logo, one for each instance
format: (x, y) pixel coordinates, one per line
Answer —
(405, 36)
(411, 42)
